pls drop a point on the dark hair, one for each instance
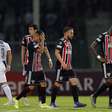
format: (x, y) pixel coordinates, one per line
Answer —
(67, 28)
(33, 25)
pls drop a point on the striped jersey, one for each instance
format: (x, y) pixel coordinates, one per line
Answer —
(65, 48)
(104, 46)
(32, 56)
(25, 41)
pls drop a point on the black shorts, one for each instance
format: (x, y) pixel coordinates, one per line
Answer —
(35, 77)
(64, 75)
(107, 70)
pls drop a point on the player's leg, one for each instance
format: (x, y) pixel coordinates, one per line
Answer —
(26, 88)
(6, 88)
(24, 92)
(42, 91)
(98, 91)
(102, 87)
(54, 91)
(110, 96)
(40, 81)
(39, 95)
(55, 88)
(73, 81)
(109, 83)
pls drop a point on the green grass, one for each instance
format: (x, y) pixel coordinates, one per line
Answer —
(65, 105)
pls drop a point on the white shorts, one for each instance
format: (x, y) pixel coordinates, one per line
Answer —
(2, 73)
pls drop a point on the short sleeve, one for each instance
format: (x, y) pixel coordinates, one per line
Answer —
(101, 37)
(7, 47)
(59, 44)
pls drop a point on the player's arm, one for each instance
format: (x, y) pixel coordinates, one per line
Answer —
(48, 56)
(23, 50)
(9, 58)
(23, 53)
(45, 49)
(41, 43)
(95, 45)
(59, 58)
(59, 47)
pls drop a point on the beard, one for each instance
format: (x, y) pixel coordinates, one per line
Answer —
(70, 38)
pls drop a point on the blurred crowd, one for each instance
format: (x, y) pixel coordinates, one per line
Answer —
(54, 14)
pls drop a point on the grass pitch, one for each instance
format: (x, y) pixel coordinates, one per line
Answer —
(65, 105)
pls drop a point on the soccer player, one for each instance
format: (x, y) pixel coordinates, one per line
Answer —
(64, 72)
(5, 66)
(34, 68)
(102, 47)
(32, 29)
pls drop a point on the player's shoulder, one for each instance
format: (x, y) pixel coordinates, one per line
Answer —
(4, 44)
(1, 42)
(61, 40)
(60, 43)
(27, 36)
(101, 37)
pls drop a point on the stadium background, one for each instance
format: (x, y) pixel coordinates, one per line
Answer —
(88, 17)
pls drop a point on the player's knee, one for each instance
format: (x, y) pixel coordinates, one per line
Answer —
(31, 87)
(57, 84)
(73, 81)
(4, 85)
(43, 84)
(109, 82)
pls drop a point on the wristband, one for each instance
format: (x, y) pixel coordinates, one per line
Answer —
(98, 57)
(50, 60)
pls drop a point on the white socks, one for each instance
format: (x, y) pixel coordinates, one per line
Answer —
(7, 91)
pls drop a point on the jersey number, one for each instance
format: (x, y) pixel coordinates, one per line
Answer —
(2, 53)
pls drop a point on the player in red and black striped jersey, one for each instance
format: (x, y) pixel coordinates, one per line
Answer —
(64, 72)
(32, 29)
(35, 75)
(102, 47)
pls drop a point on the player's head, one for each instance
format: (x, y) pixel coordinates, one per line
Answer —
(32, 29)
(68, 32)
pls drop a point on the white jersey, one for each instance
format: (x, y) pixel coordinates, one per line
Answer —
(4, 47)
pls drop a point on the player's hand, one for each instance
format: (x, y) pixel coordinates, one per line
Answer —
(64, 66)
(24, 71)
(69, 67)
(8, 68)
(50, 63)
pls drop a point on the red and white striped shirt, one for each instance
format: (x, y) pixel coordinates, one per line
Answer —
(65, 48)
(108, 48)
(36, 65)
(105, 46)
